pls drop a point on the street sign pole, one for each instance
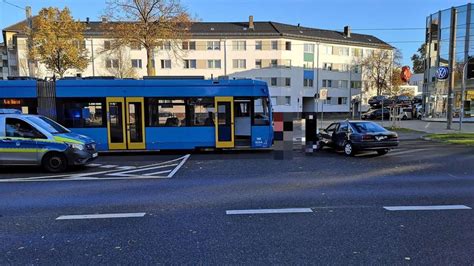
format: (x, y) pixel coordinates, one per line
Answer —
(452, 53)
(463, 91)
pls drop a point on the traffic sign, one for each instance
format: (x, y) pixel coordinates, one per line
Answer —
(323, 94)
(442, 73)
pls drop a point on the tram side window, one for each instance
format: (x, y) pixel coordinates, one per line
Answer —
(166, 112)
(81, 113)
(261, 115)
(201, 111)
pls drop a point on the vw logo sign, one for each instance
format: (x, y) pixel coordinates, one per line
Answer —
(442, 73)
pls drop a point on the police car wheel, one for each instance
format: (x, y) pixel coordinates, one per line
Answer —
(54, 162)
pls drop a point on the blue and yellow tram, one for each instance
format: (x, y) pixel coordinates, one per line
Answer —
(151, 114)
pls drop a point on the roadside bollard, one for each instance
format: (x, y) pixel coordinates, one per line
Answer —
(310, 133)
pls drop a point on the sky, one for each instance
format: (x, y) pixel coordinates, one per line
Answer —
(381, 18)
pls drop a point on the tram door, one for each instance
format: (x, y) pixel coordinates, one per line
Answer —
(224, 122)
(126, 123)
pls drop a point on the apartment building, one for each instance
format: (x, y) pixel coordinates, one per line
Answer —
(3, 62)
(295, 61)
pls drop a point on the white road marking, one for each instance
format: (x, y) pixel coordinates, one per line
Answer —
(126, 167)
(269, 211)
(109, 166)
(401, 152)
(93, 175)
(157, 173)
(427, 208)
(101, 216)
(127, 173)
(185, 158)
(93, 164)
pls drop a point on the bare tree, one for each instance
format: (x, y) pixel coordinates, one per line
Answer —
(118, 62)
(377, 69)
(149, 23)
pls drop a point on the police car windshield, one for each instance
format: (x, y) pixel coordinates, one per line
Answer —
(48, 125)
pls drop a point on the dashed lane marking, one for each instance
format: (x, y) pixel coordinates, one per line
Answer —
(101, 216)
(427, 208)
(269, 211)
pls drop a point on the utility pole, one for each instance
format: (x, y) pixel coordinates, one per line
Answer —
(29, 22)
(452, 52)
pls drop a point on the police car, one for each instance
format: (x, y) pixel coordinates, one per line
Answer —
(38, 140)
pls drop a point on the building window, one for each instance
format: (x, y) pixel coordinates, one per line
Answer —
(308, 83)
(343, 84)
(239, 63)
(213, 63)
(288, 46)
(327, 66)
(356, 84)
(274, 63)
(308, 65)
(342, 100)
(274, 100)
(273, 82)
(288, 82)
(356, 69)
(345, 51)
(327, 49)
(189, 45)
(136, 63)
(164, 45)
(327, 83)
(106, 45)
(274, 45)
(357, 52)
(189, 63)
(112, 63)
(165, 63)
(287, 100)
(309, 48)
(239, 45)
(135, 46)
(213, 45)
(258, 45)
(258, 63)
(81, 113)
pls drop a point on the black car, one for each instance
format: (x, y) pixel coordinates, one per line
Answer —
(401, 99)
(354, 136)
(380, 100)
(376, 114)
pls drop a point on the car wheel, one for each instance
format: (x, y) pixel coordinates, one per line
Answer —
(404, 117)
(382, 152)
(54, 162)
(349, 149)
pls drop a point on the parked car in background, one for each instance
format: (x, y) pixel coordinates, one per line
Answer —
(401, 99)
(354, 136)
(375, 114)
(377, 101)
(417, 99)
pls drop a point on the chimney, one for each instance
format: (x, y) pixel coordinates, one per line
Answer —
(347, 31)
(104, 19)
(87, 20)
(251, 24)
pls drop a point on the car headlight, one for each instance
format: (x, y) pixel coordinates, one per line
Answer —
(80, 147)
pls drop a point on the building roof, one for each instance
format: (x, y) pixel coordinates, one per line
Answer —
(241, 29)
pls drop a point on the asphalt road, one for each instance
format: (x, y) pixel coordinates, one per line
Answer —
(333, 210)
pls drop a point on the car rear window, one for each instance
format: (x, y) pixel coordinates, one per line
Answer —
(367, 127)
